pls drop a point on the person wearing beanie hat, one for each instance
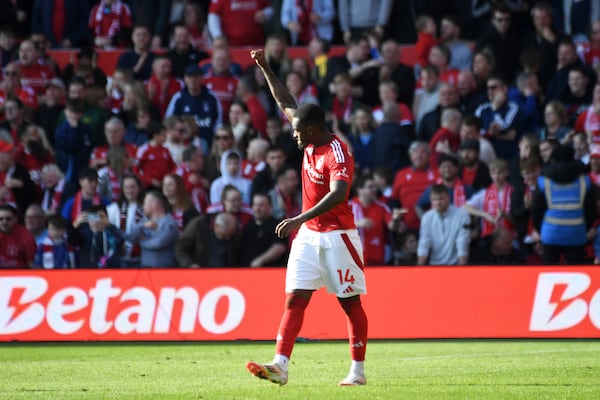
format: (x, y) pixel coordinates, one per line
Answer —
(563, 208)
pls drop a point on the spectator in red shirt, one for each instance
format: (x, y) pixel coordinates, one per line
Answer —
(110, 22)
(374, 221)
(114, 131)
(33, 73)
(153, 159)
(17, 244)
(162, 85)
(446, 140)
(220, 80)
(10, 86)
(255, 158)
(427, 38)
(241, 21)
(412, 181)
(247, 90)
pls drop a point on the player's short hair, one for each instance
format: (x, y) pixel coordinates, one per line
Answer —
(311, 114)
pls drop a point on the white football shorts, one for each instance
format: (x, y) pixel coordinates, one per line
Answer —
(332, 259)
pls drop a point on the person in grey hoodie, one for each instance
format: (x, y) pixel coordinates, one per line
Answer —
(157, 233)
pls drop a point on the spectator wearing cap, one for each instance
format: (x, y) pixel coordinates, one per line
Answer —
(183, 53)
(473, 171)
(197, 100)
(139, 58)
(51, 108)
(448, 167)
(86, 197)
(17, 244)
(564, 208)
(595, 164)
(63, 22)
(16, 186)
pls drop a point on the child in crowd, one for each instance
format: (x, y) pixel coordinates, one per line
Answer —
(493, 204)
(427, 38)
(153, 159)
(231, 173)
(55, 252)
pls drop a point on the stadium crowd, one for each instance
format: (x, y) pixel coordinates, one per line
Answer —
(485, 151)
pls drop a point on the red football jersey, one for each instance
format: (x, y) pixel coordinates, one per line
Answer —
(237, 20)
(36, 76)
(99, 154)
(26, 94)
(108, 21)
(589, 121)
(409, 185)
(223, 87)
(374, 238)
(321, 165)
(153, 163)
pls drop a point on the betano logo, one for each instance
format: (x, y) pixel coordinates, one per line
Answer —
(135, 310)
(560, 302)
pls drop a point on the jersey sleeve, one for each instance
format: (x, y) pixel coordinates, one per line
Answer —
(341, 163)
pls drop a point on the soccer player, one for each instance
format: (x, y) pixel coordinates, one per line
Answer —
(327, 250)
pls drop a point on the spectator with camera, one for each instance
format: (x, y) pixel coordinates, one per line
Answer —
(100, 240)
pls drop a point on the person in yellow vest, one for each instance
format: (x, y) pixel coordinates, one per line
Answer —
(563, 208)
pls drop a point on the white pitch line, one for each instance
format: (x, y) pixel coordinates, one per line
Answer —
(475, 355)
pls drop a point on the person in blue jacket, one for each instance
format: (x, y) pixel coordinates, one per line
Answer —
(197, 100)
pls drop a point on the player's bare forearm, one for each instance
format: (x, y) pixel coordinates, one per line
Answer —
(285, 100)
(336, 195)
(330, 200)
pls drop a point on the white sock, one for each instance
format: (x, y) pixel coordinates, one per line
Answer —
(282, 361)
(357, 367)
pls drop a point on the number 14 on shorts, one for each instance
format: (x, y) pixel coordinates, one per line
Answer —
(345, 276)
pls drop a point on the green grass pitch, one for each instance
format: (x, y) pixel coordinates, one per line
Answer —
(409, 369)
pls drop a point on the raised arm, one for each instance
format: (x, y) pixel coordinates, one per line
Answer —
(282, 96)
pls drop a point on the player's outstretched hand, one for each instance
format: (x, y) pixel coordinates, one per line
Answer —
(258, 55)
(287, 226)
